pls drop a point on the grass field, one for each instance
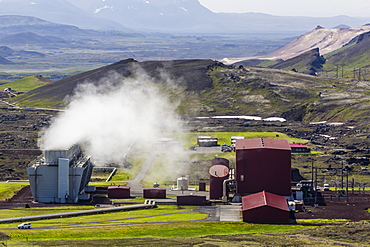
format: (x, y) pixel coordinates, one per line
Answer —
(225, 137)
(8, 190)
(186, 234)
(25, 84)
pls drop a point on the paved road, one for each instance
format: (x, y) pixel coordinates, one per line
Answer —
(135, 184)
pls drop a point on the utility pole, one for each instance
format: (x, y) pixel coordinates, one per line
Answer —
(342, 185)
(316, 185)
(347, 186)
(359, 74)
(312, 178)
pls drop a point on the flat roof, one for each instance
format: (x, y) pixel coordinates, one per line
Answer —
(298, 146)
(258, 143)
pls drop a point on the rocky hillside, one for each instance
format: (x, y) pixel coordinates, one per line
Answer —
(309, 62)
(356, 54)
(350, 61)
(209, 88)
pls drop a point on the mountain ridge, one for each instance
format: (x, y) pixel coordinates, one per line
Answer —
(186, 16)
(209, 88)
(327, 40)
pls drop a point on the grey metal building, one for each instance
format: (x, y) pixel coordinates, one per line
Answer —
(60, 176)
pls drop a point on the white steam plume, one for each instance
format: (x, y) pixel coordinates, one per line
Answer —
(107, 117)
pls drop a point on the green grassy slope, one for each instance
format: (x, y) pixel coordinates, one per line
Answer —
(27, 83)
(348, 58)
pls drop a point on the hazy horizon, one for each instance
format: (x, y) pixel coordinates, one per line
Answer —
(315, 8)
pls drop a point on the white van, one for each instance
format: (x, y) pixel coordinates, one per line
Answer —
(26, 225)
(326, 187)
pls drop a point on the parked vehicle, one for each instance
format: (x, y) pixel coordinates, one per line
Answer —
(25, 225)
(326, 187)
(226, 148)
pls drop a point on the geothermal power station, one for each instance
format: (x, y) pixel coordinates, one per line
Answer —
(60, 176)
(260, 183)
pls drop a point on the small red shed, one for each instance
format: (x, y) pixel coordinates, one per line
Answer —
(191, 200)
(119, 192)
(154, 193)
(265, 207)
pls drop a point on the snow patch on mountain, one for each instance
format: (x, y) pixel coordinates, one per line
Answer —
(97, 10)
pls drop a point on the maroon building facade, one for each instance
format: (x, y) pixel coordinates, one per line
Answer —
(264, 207)
(119, 192)
(191, 200)
(154, 193)
(263, 164)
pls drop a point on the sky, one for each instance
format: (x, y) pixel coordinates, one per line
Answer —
(314, 8)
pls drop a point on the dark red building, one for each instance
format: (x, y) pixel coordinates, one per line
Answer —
(191, 200)
(265, 207)
(263, 164)
(154, 193)
(119, 192)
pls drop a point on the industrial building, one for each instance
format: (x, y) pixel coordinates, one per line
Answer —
(207, 141)
(299, 148)
(60, 176)
(264, 207)
(263, 165)
(119, 192)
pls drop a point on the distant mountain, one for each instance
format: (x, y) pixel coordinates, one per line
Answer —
(23, 39)
(326, 39)
(15, 24)
(351, 60)
(59, 11)
(3, 60)
(190, 15)
(6, 51)
(174, 16)
(152, 15)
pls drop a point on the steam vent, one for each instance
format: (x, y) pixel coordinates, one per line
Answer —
(60, 176)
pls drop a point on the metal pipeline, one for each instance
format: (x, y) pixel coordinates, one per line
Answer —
(224, 189)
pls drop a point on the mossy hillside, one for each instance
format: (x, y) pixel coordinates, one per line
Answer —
(8, 190)
(257, 91)
(217, 89)
(26, 84)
